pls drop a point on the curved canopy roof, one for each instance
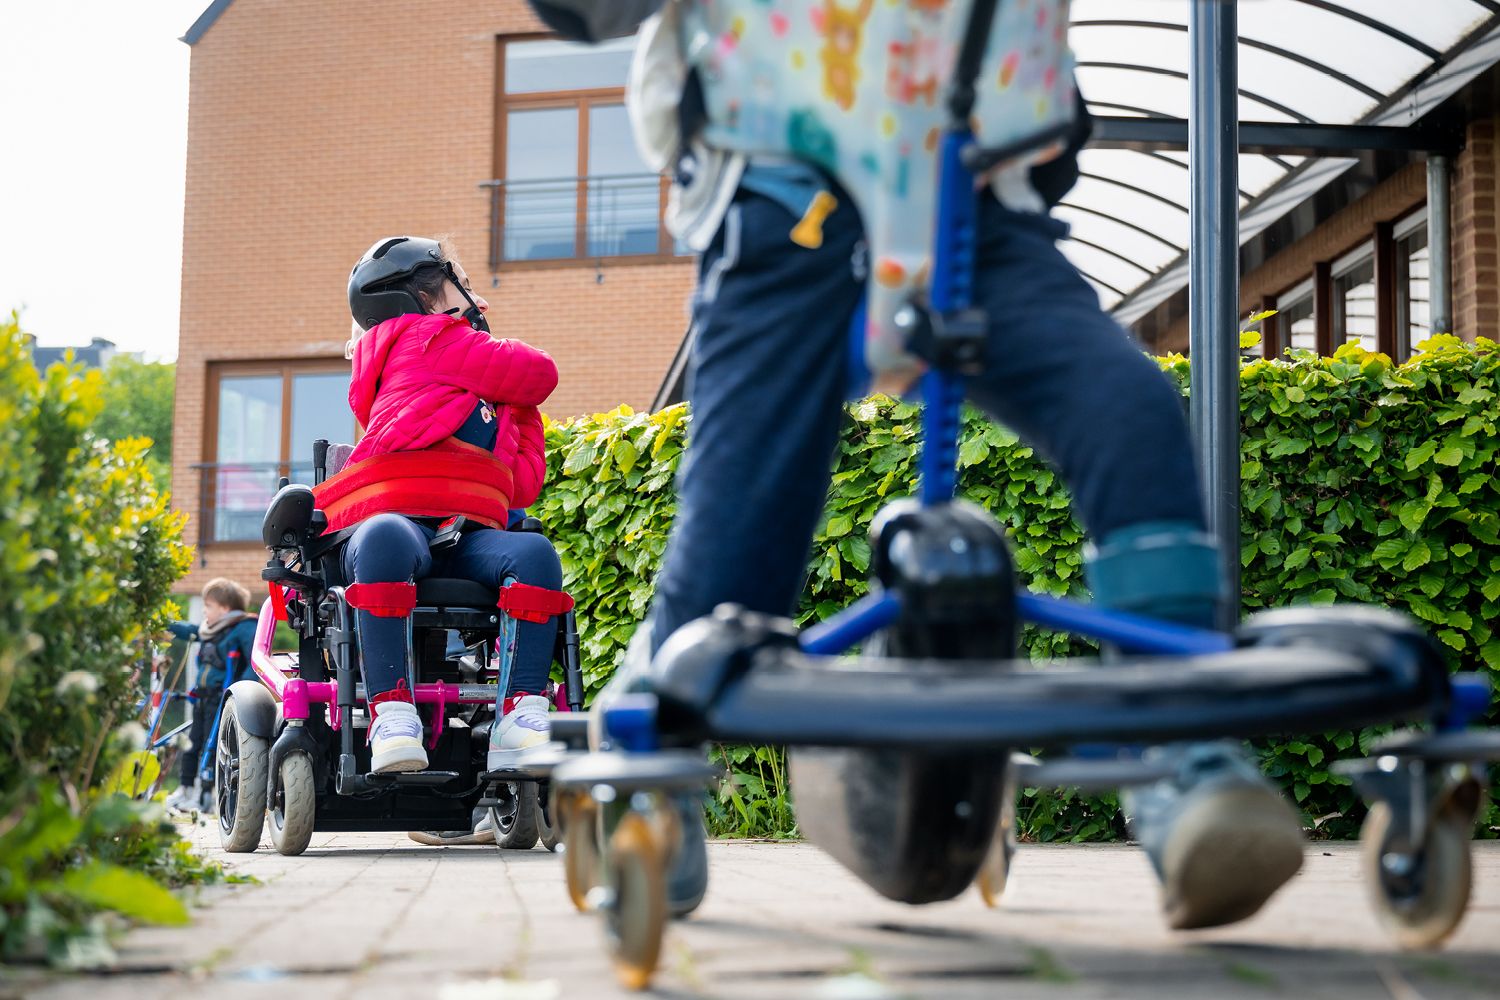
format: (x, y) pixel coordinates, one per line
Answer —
(1328, 62)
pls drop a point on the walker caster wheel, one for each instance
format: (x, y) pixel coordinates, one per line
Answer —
(579, 816)
(635, 903)
(1419, 896)
(995, 870)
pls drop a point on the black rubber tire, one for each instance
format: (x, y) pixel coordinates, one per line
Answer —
(515, 823)
(549, 832)
(240, 783)
(291, 818)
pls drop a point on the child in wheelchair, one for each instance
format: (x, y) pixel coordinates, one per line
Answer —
(428, 377)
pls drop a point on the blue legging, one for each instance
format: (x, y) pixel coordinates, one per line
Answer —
(389, 548)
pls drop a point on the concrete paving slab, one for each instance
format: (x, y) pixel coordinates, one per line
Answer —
(375, 916)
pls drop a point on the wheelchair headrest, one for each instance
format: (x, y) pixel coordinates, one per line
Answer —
(291, 519)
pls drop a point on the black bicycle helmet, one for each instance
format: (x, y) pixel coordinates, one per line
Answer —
(377, 285)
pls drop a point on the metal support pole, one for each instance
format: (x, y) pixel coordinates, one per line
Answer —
(1214, 258)
(1440, 240)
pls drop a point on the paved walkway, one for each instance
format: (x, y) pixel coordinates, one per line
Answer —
(371, 916)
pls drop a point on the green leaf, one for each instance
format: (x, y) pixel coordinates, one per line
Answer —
(133, 894)
(1449, 456)
(1419, 455)
(838, 526)
(1452, 638)
(1417, 556)
(1298, 558)
(625, 455)
(1414, 514)
(1284, 446)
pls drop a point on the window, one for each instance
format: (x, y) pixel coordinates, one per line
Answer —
(1354, 298)
(263, 421)
(1413, 296)
(1295, 318)
(570, 183)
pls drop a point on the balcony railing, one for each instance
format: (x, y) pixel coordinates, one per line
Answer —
(232, 497)
(586, 218)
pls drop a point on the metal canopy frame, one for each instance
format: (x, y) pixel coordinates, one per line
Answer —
(1322, 79)
(1215, 139)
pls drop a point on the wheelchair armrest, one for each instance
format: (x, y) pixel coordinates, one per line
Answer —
(530, 525)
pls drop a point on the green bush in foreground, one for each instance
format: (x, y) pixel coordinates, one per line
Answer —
(1361, 481)
(88, 554)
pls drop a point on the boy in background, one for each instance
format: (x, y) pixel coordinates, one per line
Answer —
(224, 640)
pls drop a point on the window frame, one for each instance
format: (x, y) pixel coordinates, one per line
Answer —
(1366, 252)
(1305, 290)
(581, 101)
(288, 370)
(1402, 230)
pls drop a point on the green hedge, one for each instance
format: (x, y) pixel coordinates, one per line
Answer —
(88, 554)
(1362, 481)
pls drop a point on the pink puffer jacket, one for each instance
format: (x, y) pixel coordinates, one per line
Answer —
(417, 378)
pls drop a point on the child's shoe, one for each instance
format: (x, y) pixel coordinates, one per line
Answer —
(396, 738)
(523, 726)
(1220, 837)
(184, 798)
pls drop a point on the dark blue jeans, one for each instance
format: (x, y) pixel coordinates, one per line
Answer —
(389, 548)
(767, 384)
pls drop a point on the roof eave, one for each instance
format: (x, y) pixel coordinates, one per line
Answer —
(205, 21)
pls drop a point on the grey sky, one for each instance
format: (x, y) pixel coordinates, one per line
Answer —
(93, 138)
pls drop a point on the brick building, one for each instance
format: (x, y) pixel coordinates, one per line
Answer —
(315, 128)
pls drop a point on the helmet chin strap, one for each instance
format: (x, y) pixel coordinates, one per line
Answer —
(472, 314)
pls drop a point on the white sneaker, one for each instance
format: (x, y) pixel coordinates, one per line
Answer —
(183, 799)
(523, 727)
(396, 738)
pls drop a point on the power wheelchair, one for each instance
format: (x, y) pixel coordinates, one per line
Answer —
(292, 752)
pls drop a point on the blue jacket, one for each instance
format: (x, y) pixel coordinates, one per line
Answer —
(227, 653)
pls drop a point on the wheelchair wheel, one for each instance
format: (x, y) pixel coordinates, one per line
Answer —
(515, 819)
(240, 788)
(636, 914)
(1422, 905)
(548, 831)
(295, 806)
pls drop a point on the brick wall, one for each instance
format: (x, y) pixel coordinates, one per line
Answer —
(1476, 240)
(1346, 230)
(316, 128)
(1475, 221)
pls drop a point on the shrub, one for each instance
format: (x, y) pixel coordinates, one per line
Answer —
(1361, 481)
(137, 402)
(88, 553)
